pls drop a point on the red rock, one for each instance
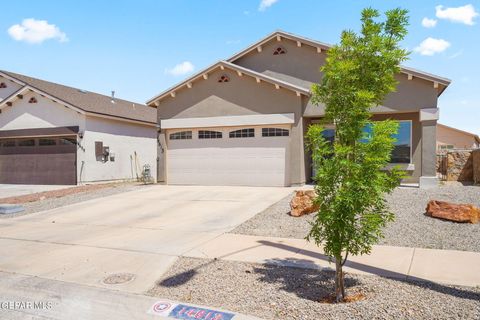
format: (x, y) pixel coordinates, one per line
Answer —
(303, 203)
(453, 212)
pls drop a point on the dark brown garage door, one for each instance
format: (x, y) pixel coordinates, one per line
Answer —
(38, 160)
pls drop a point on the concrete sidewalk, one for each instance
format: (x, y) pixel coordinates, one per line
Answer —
(63, 300)
(441, 266)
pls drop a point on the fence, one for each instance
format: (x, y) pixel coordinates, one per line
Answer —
(456, 165)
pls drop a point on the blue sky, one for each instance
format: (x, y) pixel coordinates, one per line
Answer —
(132, 47)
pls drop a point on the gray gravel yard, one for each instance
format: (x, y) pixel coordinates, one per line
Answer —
(411, 228)
(52, 203)
(275, 292)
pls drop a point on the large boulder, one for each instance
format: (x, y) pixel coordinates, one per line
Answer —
(303, 203)
(453, 212)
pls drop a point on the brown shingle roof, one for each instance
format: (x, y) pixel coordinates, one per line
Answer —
(90, 101)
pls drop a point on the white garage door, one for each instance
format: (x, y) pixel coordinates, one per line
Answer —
(249, 156)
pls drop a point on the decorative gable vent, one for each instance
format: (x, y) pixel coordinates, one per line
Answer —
(32, 100)
(3, 85)
(223, 78)
(279, 50)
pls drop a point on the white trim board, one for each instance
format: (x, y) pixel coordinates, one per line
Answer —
(230, 121)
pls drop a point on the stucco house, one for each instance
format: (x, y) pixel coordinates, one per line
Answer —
(242, 121)
(453, 138)
(54, 134)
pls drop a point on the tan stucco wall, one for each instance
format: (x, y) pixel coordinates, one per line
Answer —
(43, 114)
(133, 145)
(460, 140)
(240, 96)
(300, 65)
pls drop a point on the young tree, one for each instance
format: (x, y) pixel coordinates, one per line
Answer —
(351, 180)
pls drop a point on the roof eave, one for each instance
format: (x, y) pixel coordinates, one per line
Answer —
(407, 70)
(235, 67)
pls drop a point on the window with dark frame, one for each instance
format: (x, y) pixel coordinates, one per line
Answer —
(182, 135)
(209, 134)
(243, 133)
(275, 132)
(6, 143)
(26, 142)
(67, 141)
(47, 142)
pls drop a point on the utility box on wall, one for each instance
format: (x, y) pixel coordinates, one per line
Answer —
(102, 152)
(98, 149)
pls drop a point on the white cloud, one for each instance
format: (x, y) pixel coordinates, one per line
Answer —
(181, 69)
(265, 4)
(36, 31)
(429, 23)
(430, 46)
(464, 14)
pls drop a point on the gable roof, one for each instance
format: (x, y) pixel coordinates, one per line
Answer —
(89, 102)
(475, 136)
(242, 70)
(443, 82)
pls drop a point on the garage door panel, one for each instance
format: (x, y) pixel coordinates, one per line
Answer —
(259, 161)
(38, 164)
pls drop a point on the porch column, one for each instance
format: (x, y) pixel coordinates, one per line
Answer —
(428, 121)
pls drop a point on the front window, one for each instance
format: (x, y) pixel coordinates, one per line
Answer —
(403, 144)
(402, 150)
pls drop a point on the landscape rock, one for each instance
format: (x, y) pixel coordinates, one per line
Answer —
(476, 165)
(453, 212)
(303, 203)
(460, 165)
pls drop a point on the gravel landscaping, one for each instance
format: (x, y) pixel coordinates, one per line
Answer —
(276, 292)
(411, 228)
(63, 197)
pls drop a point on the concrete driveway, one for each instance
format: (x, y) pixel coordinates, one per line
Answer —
(15, 190)
(139, 232)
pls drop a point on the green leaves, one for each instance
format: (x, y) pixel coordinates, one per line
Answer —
(351, 178)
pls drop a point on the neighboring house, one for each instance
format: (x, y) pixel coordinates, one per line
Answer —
(452, 138)
(54, 134)
(242, 121)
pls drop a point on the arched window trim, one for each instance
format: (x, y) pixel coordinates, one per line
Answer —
(181, 135)
(209, 134)
(242, 133)
(275, 132)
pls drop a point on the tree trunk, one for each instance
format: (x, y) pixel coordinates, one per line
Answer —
(339, 283)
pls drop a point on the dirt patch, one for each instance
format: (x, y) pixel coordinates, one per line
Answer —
(57, 193)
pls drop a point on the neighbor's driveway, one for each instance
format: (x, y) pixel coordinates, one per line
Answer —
(139, 232)
(15, 190)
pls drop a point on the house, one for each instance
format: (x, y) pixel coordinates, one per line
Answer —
(452, 138)
(54, 134)
(242, 121)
